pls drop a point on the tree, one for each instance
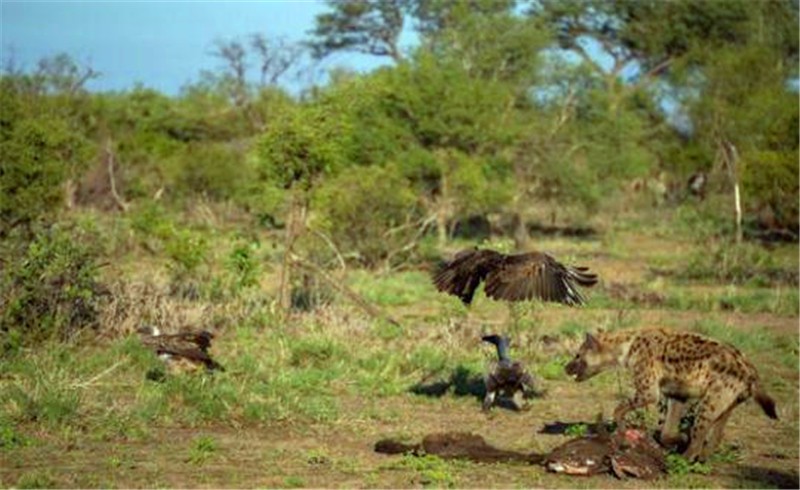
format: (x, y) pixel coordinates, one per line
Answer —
(299, 149)
(275, 57)
(643, 38)
(366, 26)
(234, 57)
(743, 109)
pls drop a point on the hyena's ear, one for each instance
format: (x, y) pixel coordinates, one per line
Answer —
(592, 342)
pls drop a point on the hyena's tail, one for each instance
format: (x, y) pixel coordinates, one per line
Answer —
(766, 402)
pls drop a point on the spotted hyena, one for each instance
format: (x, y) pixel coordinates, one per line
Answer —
(682, 367)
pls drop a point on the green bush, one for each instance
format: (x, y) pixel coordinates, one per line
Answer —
(217, 171)
(187, 251)
(38, 156)
(52, 290)
(243, 265)
(367, 212)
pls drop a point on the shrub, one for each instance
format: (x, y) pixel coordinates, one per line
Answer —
(367, 211)
(243, 264)
(187, 251)
(215, 170)
(38, 155)
(51, 291)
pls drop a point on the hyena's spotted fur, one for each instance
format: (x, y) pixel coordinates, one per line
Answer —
(682, 367)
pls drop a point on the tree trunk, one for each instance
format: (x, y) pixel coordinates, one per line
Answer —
(731, 158)
(69, 193)
(443, 207)
(294, 227)
(521, 236)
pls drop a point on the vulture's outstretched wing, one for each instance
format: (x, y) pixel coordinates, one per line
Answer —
(462, 275)
(537, 275)
(513, 277)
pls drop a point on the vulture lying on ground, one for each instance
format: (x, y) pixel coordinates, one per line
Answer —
(506, 377)
(516, 277)
(187, 346)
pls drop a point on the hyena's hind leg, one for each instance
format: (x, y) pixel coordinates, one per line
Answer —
(715, 433)
(714, 407)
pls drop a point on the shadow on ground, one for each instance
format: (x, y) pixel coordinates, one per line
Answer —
(561, 428)
(768, 477)
(464, 382)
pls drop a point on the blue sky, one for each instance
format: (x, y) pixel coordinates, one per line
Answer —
(161, 44)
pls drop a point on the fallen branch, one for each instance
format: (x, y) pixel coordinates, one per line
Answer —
(91, 381)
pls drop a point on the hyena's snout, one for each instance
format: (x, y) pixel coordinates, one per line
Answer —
(577, 368)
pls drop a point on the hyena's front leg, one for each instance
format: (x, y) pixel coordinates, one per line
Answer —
(646, 394)
(671, 428)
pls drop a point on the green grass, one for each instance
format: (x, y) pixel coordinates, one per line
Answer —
(677, 465)
(554, 369)
(397, 289)
(37, 479)
(429, 470)
(779, 301)
(203, 448)
(754, 341)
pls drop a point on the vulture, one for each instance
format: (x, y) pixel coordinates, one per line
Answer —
(506, 376)
(187, 346)
(517, 277)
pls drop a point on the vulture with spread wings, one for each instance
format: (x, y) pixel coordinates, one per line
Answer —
(186, 346)
(516, 277)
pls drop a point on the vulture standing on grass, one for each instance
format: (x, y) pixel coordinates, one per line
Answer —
(516, 277)
(187, 346)
(506, 377)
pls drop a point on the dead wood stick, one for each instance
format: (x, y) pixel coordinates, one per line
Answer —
(371, 309)
(110, 162)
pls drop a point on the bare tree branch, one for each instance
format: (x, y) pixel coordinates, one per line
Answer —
(123, 206)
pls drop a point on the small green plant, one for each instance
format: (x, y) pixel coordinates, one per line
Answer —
(187, 251)
(727, 453)
(431, 470)
(554, 369)
(244, 265)
(37, 479)
(294, 482)
(203, 448)
(318, 457)
(576, 430)
(677, 465)
(11, 438)
(151, 220)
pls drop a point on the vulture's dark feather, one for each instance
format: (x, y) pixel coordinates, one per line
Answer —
(191, 345)
(517, 277)
(506, 377)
